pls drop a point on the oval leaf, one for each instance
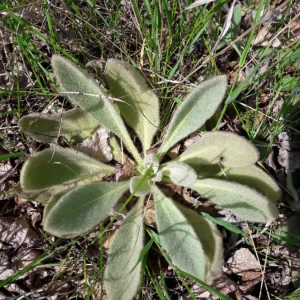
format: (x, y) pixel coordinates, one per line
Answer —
(211, 241)
(226, 148)
(73, 80)
(59, 166)
(251, 176)
(178, 237)
(75, 125)
(179, 173)
(127, 84)
(143, 183)
(81, 209)
(197, 107)
(123, 271)
(255, 178)
(241, 200)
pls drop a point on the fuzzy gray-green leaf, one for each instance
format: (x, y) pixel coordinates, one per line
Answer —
(123, 271)
(179, 173)
(72, 79)
(241, 200)
(145, 186)
(178, 237)
(59, 166)
(211, 241)
(142, 113)
(75, 125)
(81, 209)
(226, 148)
(251, 176)
(255, 178)
(197, 107)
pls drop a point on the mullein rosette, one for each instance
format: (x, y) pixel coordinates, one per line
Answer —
(220, 166)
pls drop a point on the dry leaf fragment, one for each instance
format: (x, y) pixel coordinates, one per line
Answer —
(125, 171)
(149, 215)
(97, 146)
(5, 274)
(247, 286)
(24, 257)
(249, 297)
(264, 38)
(223, 284)
(243, 263)
(108, 238)
(174, 152)
(198, 3)
(5, 169)
(295, 30)
(110, 235)
(13, 231)
(289, 155)
(191, 140)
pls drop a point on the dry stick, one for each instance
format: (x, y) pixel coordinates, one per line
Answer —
(257, 257)
(222, 168)
(231, 44)
(141, 65)
(264, 271)
(96, 96)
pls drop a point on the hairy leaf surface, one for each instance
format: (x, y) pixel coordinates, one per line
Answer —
(197, 107)
(82, 208)
(226, 148)
(145, 186)
(178, 237)
(127, 84)
(72, 78)
(123, 271)
(179, 173)
(210, 239)
(255, 178)
(75, 125)
(59, 166)
(241, 200)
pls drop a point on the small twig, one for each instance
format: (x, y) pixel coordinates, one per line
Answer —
(262, 270)
(96, 96)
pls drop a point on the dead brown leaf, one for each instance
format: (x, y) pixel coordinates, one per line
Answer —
(125, 171)
(97, 146)
(295, 30)
(13, 231)
(243, 263)
(108, 238)
(264, 38)
(289, 155)
(223, 284)
(149, 215)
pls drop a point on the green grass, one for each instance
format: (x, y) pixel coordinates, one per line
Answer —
(174, 48)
